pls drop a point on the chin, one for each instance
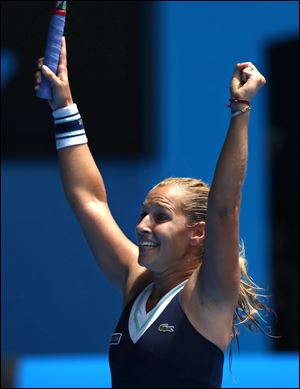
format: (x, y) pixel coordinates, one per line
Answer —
(145, 260)
(142, 261)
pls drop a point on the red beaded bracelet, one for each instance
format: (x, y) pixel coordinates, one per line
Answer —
(238, 101)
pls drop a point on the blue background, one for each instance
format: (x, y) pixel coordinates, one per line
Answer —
(54, 298)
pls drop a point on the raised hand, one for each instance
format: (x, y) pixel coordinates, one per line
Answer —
(60, 83)
(246, 81)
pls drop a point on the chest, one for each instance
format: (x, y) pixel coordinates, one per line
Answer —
(163, 348)
(160, 319)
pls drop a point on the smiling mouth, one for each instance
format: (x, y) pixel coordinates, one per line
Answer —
(147, 245)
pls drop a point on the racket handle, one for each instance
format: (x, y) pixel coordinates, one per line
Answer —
(52, 52)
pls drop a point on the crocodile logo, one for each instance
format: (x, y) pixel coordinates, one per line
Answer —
(166, 328)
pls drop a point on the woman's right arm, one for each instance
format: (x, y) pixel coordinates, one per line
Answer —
(85, 191)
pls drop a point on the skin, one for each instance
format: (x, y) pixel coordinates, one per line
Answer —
(211, 293)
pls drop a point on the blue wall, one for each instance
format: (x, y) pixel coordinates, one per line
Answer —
(54, 298)
(266, 370)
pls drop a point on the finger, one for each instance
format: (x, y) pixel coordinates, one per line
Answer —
(247, 73)
(244, 77)
(38, 78)
(238, 78)
(49, 74)
(262, 80)
(237, 70)
(62, 70)
(40, 62)
(63, 52)
(248, 70)
(247, 64)
(251, 71)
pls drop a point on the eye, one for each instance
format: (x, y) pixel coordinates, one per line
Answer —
(161, 217)
(142, 215)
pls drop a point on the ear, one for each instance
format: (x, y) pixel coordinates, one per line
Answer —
(197, 234)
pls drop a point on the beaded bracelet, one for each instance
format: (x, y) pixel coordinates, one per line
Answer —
(238, 101)
(240, 111)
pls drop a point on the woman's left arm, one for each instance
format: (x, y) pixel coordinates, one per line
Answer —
(231, 167)
(220, 271)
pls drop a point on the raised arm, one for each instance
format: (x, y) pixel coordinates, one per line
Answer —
(85, 190)
(220, 273)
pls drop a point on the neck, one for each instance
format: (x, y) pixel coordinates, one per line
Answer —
(163, 284)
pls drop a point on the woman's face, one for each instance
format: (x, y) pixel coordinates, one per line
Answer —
(162, 234)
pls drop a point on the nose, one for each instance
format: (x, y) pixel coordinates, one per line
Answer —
(144, 226)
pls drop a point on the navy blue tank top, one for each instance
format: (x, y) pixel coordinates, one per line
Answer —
(169, 354)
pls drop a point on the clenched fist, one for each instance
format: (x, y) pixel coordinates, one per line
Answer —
(246, 81)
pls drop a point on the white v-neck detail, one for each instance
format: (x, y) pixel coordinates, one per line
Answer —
(139, 321)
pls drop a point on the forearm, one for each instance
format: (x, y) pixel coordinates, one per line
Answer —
(81, 178)
(226, 188)
(229, 176)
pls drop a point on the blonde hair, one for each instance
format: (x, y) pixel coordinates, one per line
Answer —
(194, 206)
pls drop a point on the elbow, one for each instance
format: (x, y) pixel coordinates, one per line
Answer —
(79, 199)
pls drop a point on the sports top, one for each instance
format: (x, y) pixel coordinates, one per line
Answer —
(161, 348)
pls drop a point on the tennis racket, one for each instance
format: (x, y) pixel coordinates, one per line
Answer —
(53, 47)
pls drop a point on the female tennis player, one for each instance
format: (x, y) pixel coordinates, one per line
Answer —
(184, 283)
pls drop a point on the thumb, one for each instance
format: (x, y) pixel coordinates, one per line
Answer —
(49, 74)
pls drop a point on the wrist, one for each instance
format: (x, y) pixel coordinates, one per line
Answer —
(235, 107)
(58, 105)
(236, 97)
(238, 106)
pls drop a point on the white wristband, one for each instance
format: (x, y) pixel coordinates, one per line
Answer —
(72, 141)
(69, 130)
(65, 111)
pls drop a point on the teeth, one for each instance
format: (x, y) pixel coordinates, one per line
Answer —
(147, 244)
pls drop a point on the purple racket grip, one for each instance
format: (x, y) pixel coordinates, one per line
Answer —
(52, 52)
